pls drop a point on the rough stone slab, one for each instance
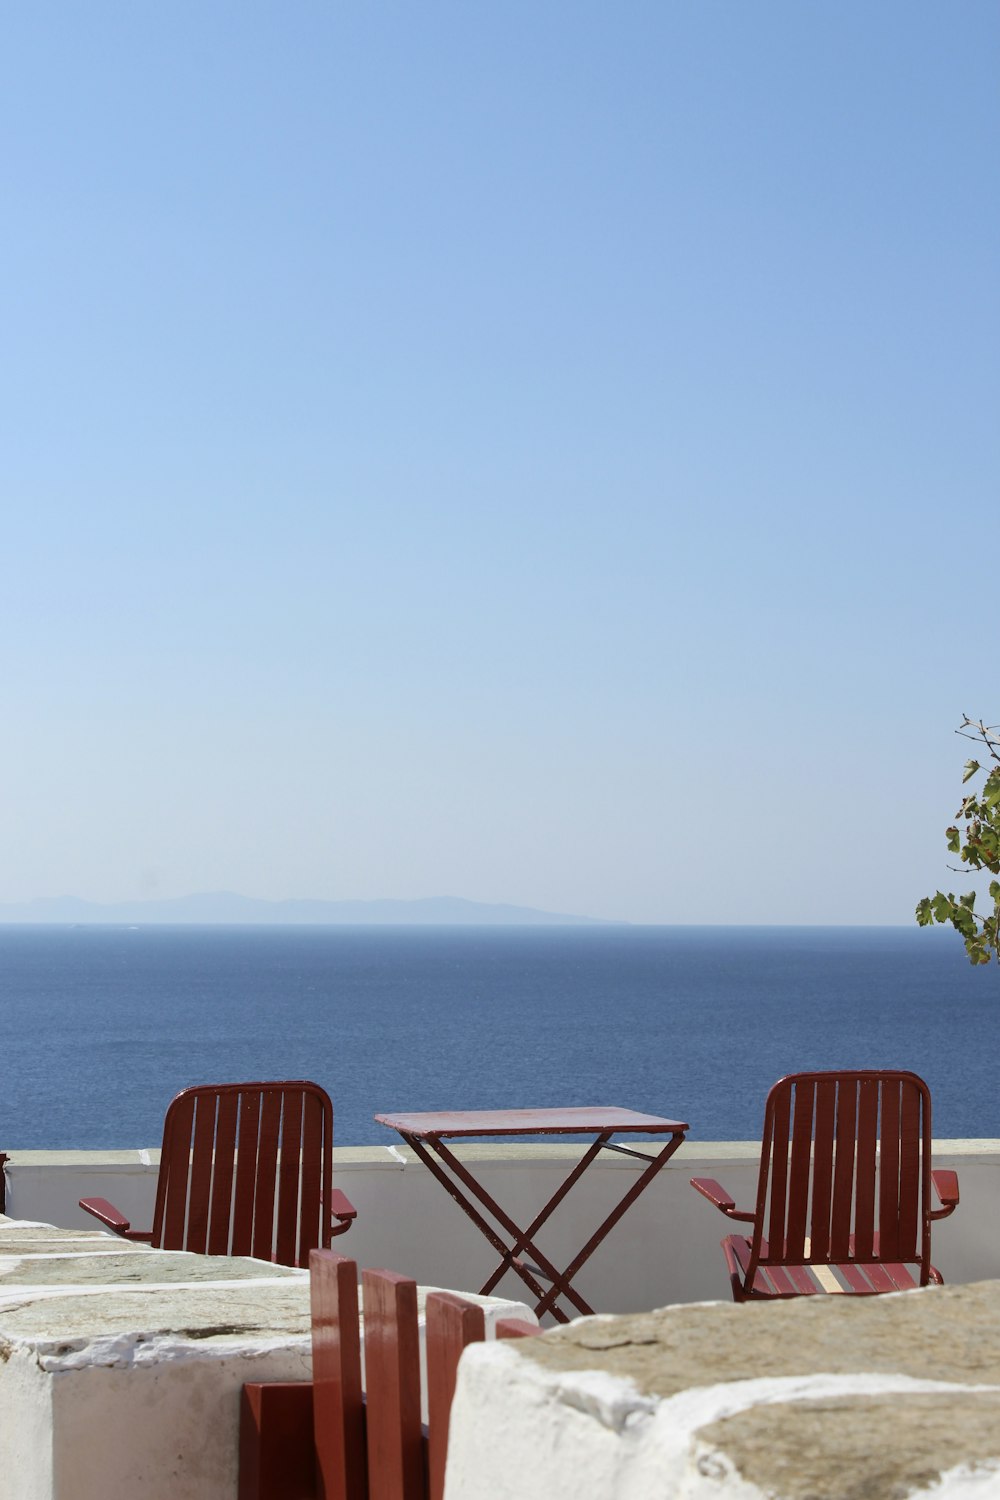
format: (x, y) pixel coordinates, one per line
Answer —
(814, 1399)
(854, 1448)
(944, 1333)
(121, 1366)
(17, 1234)
(81, 1268)
(118, 1326)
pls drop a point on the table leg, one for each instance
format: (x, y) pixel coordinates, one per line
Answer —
(520, 1238)
(484, 1227)
(657, 1162)
(560, 1282)
(523, 1241)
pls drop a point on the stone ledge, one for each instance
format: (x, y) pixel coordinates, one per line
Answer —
(121, 1366)
(387, 1155)
(816, 1399)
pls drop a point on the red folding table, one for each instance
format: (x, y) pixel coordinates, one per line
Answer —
(426, 1133)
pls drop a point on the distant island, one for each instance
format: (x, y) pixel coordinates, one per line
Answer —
(225, 908)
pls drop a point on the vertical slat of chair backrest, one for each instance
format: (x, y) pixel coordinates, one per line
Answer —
(170, 1216)
(780, 1104)
(888, 1172)
(247, 1134)
(286, 1250)
(200, 1193)
(317, 1154)
(392, 1382)
(339, 1414)
(843, 1169)
(267, 1174)
(799, 1170)
(925, 1181)
(221, 1216)
(822, 1177)
(911, 1127)
(864, 1186)
(452, 1324)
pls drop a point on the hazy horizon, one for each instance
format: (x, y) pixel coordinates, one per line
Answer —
(527, 451)
(198, 908)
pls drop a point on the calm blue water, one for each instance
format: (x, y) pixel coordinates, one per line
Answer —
(99, 1027)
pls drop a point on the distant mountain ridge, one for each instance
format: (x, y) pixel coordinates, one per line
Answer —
(226, 908)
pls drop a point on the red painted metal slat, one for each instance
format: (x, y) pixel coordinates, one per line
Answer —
(798, 1174)
(864, 1188)
(803, 1280)
(822, 1187)
(781, 1108)
(902, 1279)
(854, 1276)
(220, 1218)
(879, 1277)
(267, 1173)
(392, 1378)
(909, 1172)
(843, 1170)
(200, 1193)
(248, 1129)
(783, 1284)
(172, 1184)
(287, 1206)
(276, 1442)
(314, 1191)
(341, 1459)
(452, 1324)
(888, 1172)
(736, 1248)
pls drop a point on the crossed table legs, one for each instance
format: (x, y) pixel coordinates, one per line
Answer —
(523, 1239)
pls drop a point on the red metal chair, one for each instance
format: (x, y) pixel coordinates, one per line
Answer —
(245, 1169)
(844, 1191)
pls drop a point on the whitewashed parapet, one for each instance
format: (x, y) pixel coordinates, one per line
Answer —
(820, 1399)
(121, 1366)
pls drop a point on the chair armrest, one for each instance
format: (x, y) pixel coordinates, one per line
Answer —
(113, 1218)
(716, 1193)
(946, 1186)
(343, 1210)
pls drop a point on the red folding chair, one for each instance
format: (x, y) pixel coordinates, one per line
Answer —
(245, 1169)
(844, 1191)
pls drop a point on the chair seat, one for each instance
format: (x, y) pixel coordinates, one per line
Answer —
(851, 1278)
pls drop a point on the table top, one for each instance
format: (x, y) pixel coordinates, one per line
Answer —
(590, 1121)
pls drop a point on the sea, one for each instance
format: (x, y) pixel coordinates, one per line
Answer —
(100, 1026)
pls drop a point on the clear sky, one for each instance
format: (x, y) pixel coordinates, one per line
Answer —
(538, 452)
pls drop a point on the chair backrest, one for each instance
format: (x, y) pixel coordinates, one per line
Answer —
(844, 1172)
(246, 1169)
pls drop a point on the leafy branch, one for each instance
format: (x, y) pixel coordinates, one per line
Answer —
(977, 845)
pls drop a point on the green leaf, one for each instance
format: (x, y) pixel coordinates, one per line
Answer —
(953, 839)
(994, 891)
(924, 915)
(968, 900)
(991, 791)
(971, 767)
(942, 907)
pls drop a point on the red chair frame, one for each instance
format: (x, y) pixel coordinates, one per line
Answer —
(245, 1169)
(845, 1184)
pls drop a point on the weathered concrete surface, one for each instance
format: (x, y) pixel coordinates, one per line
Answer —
(818, 1399)
(121, 1366)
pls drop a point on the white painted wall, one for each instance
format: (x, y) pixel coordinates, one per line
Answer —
(664, 1250)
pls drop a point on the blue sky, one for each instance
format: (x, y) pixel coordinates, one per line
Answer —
(534, 452)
